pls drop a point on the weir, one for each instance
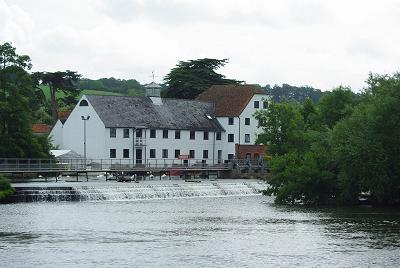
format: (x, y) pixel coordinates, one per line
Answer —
(142, 191)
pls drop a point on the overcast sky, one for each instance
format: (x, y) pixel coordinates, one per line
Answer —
(312, 42)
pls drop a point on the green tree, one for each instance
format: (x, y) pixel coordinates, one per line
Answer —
(60, 81)
(367, 144)
(282, 126)
(336, 105)
(361, 153)
(309, 113)
(190, 78)
(16, 97)
(5, 187)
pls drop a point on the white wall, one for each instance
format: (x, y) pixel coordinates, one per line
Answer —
(56, 135)
(252, 129)
(95, 132)
(184, 144)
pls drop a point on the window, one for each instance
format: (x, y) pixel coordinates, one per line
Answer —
(113, 153)
(205, 153)
(177, 134)
(139, 133)
(265, 105)
(125, 153)
(218, 137)
(248, 156)
(256, 104)
(152, 153)
(152, 133)
(247, 138)
(177, 153)
(165, 134)
(230, 121)
(165, 153)
(83, 103)
(113, 132)
(191, 154)
(231, 138)
(205, 135)
(230, 156)
(126, 132)
(247, 121)
(192, 135)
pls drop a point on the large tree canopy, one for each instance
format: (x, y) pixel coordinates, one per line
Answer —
(331, 153)
(190, 78)
(59, 81)
(17, 99)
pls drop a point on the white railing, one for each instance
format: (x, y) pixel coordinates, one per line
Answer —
(140, 142)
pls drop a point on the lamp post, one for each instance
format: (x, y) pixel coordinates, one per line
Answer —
(84, 118)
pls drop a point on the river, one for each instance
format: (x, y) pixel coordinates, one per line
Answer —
(247, 231)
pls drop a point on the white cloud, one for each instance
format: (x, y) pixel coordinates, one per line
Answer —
(307, 42)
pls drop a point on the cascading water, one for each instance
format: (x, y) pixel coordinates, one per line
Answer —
(141, 191)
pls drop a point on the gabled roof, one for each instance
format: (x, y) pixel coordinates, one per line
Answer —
(230, 100)
(129, 112)
(41, 128)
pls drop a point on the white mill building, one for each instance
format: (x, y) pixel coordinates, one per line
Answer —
(150, 128)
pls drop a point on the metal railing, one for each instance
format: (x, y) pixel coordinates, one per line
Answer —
(140, 142)
(79, 164)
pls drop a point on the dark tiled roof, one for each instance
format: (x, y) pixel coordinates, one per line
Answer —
(230, 100)
(118, 111)
(41, 128)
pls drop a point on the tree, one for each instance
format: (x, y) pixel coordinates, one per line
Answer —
(287, 92)
(367, 144)
(59, 81)
(302, 170)
(8, 57)
(190, 78)
(282, 126)
(16, 97)
(336, 105)
(357, 152)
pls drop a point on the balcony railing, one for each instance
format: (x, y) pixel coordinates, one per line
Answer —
(140, 142)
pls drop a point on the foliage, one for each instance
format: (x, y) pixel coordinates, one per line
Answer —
(59, 81)
(367, 144)
(17, 96)
(5, 187)
(190, 78)
(282, 125)
(121, 86)
(332, 157)
(287, 92)
(336, 105)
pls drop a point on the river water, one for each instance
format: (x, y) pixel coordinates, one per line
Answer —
(247, 231)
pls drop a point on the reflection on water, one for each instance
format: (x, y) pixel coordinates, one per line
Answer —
(208, 232)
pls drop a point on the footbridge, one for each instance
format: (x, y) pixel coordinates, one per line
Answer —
(77, 166)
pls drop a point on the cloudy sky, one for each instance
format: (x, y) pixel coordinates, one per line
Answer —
(301, 42)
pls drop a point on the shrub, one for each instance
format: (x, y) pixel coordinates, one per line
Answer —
(5, 187)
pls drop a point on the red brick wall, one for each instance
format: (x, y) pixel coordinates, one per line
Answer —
(243, 150)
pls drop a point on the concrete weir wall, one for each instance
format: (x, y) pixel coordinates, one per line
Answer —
(114, 191)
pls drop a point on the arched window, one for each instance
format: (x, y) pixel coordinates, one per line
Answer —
(83, 103)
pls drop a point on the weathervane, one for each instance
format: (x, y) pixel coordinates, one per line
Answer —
(153, 75)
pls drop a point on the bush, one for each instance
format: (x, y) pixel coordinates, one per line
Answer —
(5, 187)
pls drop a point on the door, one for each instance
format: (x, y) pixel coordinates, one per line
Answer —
(219, 156)
(139, 153)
